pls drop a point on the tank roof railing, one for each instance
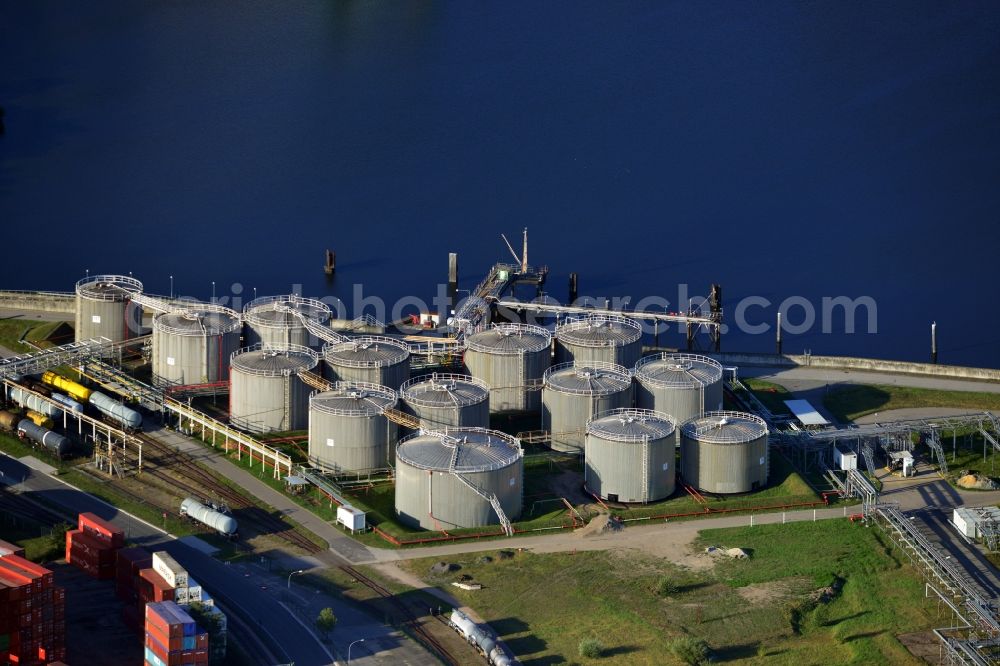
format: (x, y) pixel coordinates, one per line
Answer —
(124, 282)
(366, 389)
(619, 371)
(450, 438)
(275, 349)
(196, 312)
(513, 328)
(637, 414)
(289, 303)
(715, 422)
(681, 357)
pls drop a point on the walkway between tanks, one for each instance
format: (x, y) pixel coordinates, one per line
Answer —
(340, 544)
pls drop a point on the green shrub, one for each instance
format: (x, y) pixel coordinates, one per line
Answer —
(666, 586)
(690, 650)
(591, 648)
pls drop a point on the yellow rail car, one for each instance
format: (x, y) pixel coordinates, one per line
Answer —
(74, 390)
(39, 419)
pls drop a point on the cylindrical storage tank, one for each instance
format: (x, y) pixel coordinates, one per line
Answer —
(725, 452)
(444, 400)
(348, 429)
(682, 385)
(266, 393)
(371, 359)
(630, 455)
(444, 479)
(104, 308)
(509, 357)
(602, 338)
(575, 392)
(278, 320)
(8, 420)
(194, 346)
(205, 515)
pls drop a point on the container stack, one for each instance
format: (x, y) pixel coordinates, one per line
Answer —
(32, 614)
(92, 546)
(7, 548)
(172, 637)
(128, 565)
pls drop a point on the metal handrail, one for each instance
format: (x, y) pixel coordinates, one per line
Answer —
(127, 284)
(681, 359)
(446, 380)
(198, 313)
(331, 347)
(275, 348)
(619, 372)
(565, 331)
(636, 414)
(290, 304)
(366, 388)
(512, 329)
(700, 426)
(451, 438)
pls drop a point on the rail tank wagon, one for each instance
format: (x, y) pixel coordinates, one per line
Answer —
(443, 400)
(348, 429)
(218, 521)
(725, 452)
(125, 417)
(682, 385)
(630, 455)
(194, 346)
(510, 358)
(446, 480)
(371, 359)
(266, 393)
(575, 392)
(50, 441)
(74, 390)
(33, 402)
(600, 338)
(278, 320)
(104, 308)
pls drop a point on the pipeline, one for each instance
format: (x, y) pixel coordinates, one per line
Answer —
(709, 510)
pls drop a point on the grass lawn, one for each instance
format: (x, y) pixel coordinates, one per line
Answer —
(772, 395)
(11, 331)
(759, 610)
(854, 401)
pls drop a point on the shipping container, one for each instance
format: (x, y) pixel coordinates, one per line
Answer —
(102, 529)
(172, 572)
(153, 588)
(7, 548)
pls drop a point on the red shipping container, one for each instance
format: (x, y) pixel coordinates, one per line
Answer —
(102, 529)
(159, 590)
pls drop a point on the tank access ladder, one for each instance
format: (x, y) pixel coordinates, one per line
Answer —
(868, 453)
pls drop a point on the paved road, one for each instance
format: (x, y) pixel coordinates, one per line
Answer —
(260, 599)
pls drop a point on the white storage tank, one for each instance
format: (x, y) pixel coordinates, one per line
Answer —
(630, 455)
(104, 308)
(371, 359)
(445, 480)
(348, 429)
(682, 385)
(278, 320)
(509, 358)
(599, 338)
(725, 452)
(444, 400)
(266, 393)
(575, 392)
(193, 346)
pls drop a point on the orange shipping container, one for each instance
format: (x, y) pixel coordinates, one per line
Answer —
(102, 529)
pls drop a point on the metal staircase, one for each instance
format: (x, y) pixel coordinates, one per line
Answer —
(934, 443)
(494, 501)
(402, 418)
(868, 453)
(314, 380)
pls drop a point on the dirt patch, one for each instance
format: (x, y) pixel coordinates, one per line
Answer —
(766, 593)
(597, 525)
(922, 645)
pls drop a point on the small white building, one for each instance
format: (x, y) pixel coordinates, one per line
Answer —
(902, 461)
(351, 518)
(844, 458)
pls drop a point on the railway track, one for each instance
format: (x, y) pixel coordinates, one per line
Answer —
(198, 482)
(423, 635)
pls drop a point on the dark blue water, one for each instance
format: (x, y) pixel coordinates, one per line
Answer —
(780, 149)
